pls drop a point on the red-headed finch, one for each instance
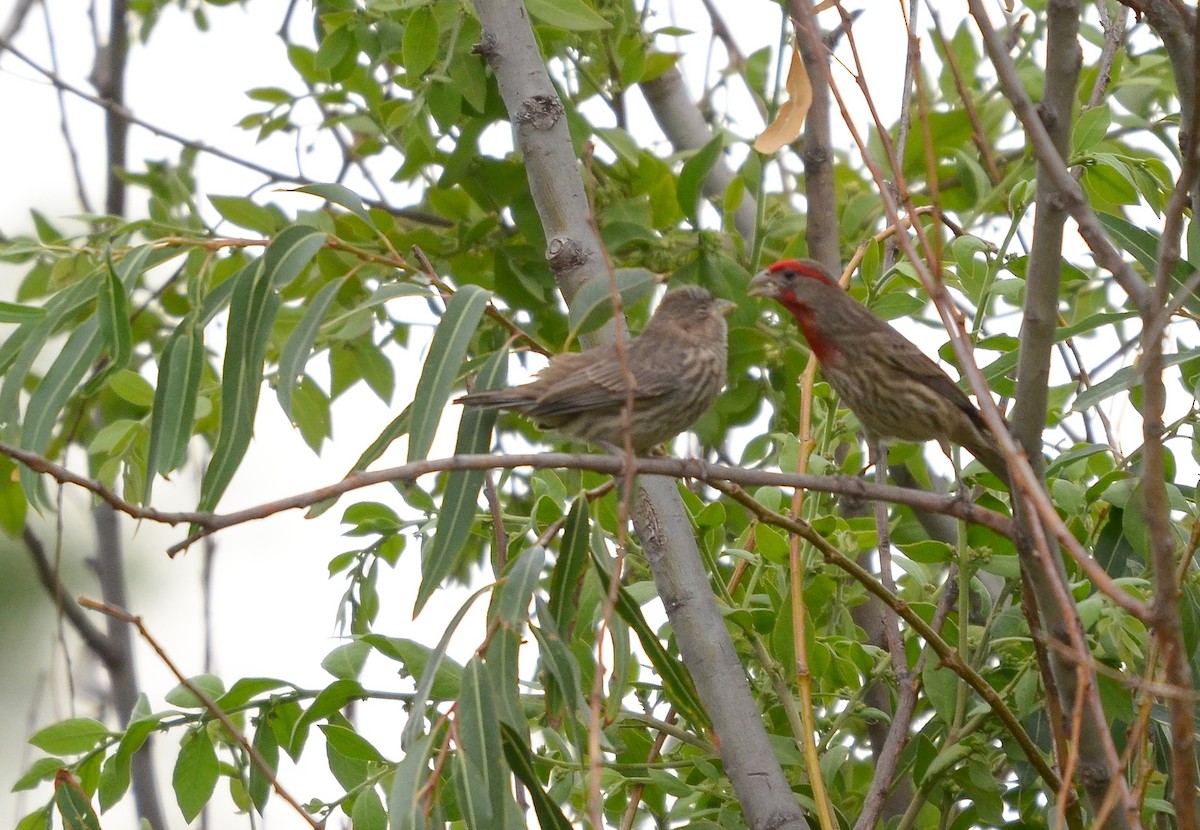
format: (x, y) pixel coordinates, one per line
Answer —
(677, 368)
(895, 390)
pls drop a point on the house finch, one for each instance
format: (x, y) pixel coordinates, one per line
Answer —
(895, 390)
(676, 367)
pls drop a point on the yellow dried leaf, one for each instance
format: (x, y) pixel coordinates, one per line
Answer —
(789, 121)
(823, 5)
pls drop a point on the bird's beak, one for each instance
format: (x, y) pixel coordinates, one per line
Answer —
(725, 307)
(763, 285)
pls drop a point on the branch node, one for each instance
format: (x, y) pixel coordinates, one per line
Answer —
(486, 45)
(564, 254)
(540, 111)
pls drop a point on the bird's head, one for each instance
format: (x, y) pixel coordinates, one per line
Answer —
(813, 297)
(793, 282)
(692, 308)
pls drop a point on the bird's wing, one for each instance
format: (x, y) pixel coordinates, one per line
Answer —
(599, 382)
(914, 363)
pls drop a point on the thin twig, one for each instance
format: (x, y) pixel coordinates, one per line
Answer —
(209, 704)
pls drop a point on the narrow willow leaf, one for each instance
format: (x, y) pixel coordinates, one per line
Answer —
(1145, 246)
(462, 486)
(511, 598)
(406, 803)
(252, 311)
(18, 313)
(416, 718)
(561, 670)
(520, 760)
(446, 353)
(471, 788)
(296, 351)
(677, 683)
(73, 804)
(21, 349)
(179, 373)
(290, 252)
(17, 355)
(219, 297)
(112, 310)
(478, 731)
(339, 194)
(592, 305)
(569, 567)
(51, 395)
(502, 662)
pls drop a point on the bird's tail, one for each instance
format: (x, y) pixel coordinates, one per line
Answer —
(495, 399)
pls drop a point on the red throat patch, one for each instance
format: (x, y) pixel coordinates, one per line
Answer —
(806, 318)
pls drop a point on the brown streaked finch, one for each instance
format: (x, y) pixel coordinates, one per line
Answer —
(676, 365)
(895, 390)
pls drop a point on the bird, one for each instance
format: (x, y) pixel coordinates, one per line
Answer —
(897, 392)
(677, 366)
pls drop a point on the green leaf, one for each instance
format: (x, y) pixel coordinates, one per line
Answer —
(290, 253)
(339, 194)
(42, 769)
(196, 771)
(267, 744)
(252, 311)
(185, 698)
(246, 689)
(570, 566)
(71, 736)
(572, 15)
(511, 598)
(346, 661)
(418, 660)
(406, 801)
(519, 756)
(420, 46)
(298, 348)
(73, 804)
(459, 505)
(1090, 129)
(51, 395)
(692, 176)
(244, 213)
(179, 371)
(478, 731)
(129, 386)
(17, 313)
(115, 778)
(446, 352)
(592, 304)
(1144, 247)
(677, 683)
(425, 681)
(368, 812)
(351, 744)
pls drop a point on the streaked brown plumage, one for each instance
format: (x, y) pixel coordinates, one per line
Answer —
(677, 365)
(895, 390)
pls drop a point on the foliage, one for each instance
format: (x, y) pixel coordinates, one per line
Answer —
(111, 349)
